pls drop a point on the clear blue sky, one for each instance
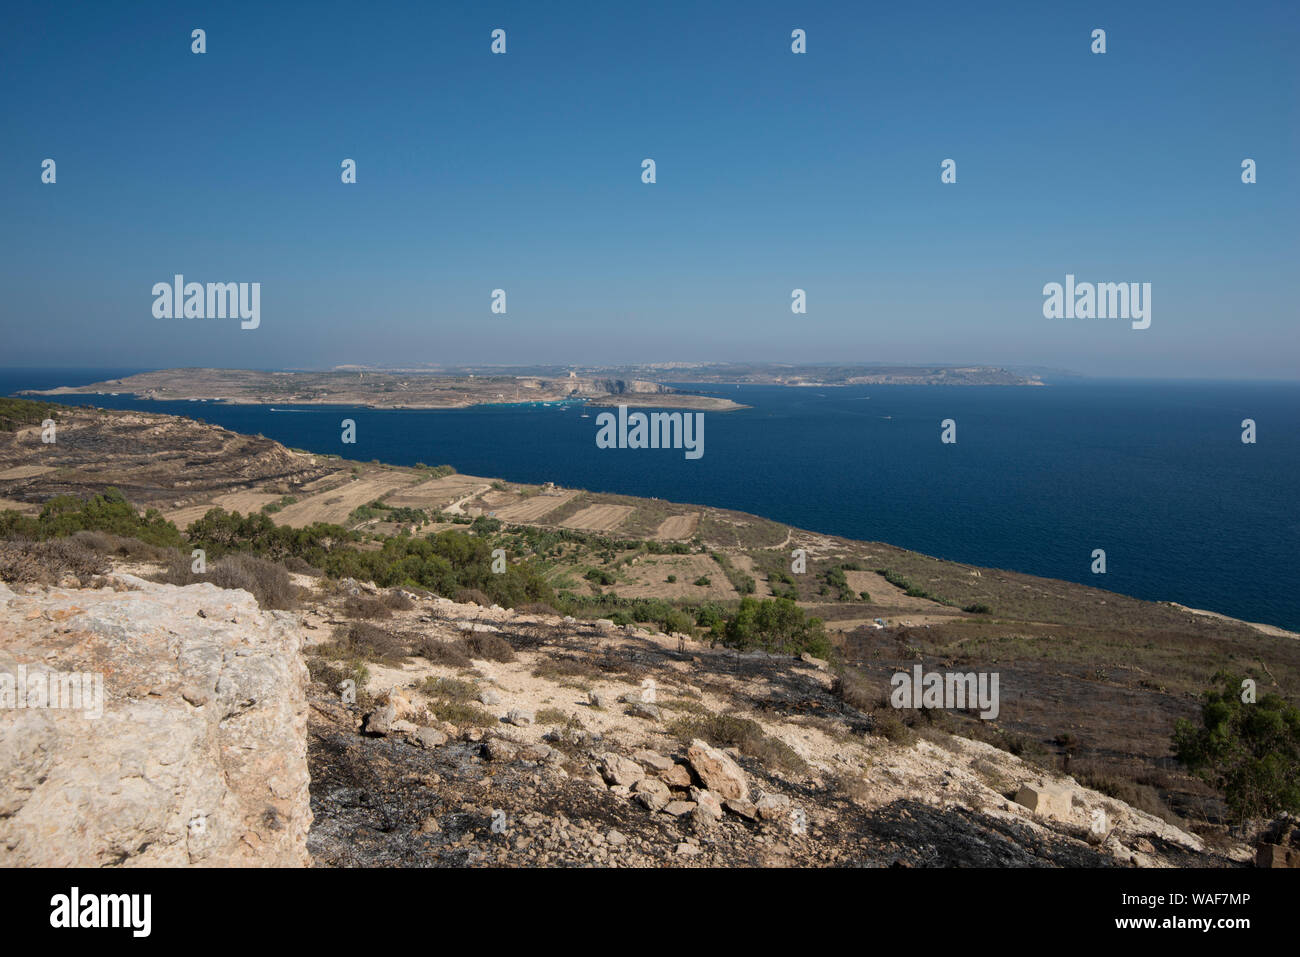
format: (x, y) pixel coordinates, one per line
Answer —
(775, 171)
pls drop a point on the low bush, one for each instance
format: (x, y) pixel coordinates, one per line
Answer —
(118, 546)
(366, 642)
(266, 581)
(452, 653)
(397, 601)
(487, 646)
(365, 607)
(47, 563)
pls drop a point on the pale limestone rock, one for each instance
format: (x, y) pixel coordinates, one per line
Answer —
(199, 757)
(1047, 800)
(618, 770)
(717, 771)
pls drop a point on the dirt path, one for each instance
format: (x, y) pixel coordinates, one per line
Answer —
(458, 507)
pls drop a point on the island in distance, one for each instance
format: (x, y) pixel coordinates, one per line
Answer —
(462, 386)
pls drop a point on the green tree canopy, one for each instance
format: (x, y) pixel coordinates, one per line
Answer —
(1249, 751)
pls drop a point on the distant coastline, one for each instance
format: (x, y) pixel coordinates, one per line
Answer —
(461, 388)
(387, 390)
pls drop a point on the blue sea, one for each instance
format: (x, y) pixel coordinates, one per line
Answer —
(1153, 472)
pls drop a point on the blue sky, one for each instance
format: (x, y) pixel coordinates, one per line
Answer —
(775, 171)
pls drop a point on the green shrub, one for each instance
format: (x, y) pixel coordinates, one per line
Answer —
(778, 626)
(600, 576)
(1249, 751)
(108, 512)
(16, 413)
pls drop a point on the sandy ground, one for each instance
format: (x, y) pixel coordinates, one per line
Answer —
(600, 518)
(678, 526)
(1271, 630)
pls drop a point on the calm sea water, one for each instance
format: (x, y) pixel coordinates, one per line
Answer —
(1153, 472)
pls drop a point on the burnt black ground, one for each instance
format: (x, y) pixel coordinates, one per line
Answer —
(383, 802)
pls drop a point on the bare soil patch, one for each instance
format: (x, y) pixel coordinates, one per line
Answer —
(648, 579)
(886, 594)
(677, 527)
(25, 471)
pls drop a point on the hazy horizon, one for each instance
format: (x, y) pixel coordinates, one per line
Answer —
(667, 375)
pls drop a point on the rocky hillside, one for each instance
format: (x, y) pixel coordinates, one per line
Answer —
(506, 738)
(483, 736)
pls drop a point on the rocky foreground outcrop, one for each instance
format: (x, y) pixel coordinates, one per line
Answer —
(196, 753)
(593, 745)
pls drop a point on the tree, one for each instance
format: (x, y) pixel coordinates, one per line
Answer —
(775, 625)
(1249, 751)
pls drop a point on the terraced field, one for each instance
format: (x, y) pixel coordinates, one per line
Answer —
(335, 506)
(535, 508)
(438, 493)
(599, 518)
(245, 503)
(677, 527)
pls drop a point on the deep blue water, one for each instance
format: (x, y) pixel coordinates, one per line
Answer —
(1153, 472)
